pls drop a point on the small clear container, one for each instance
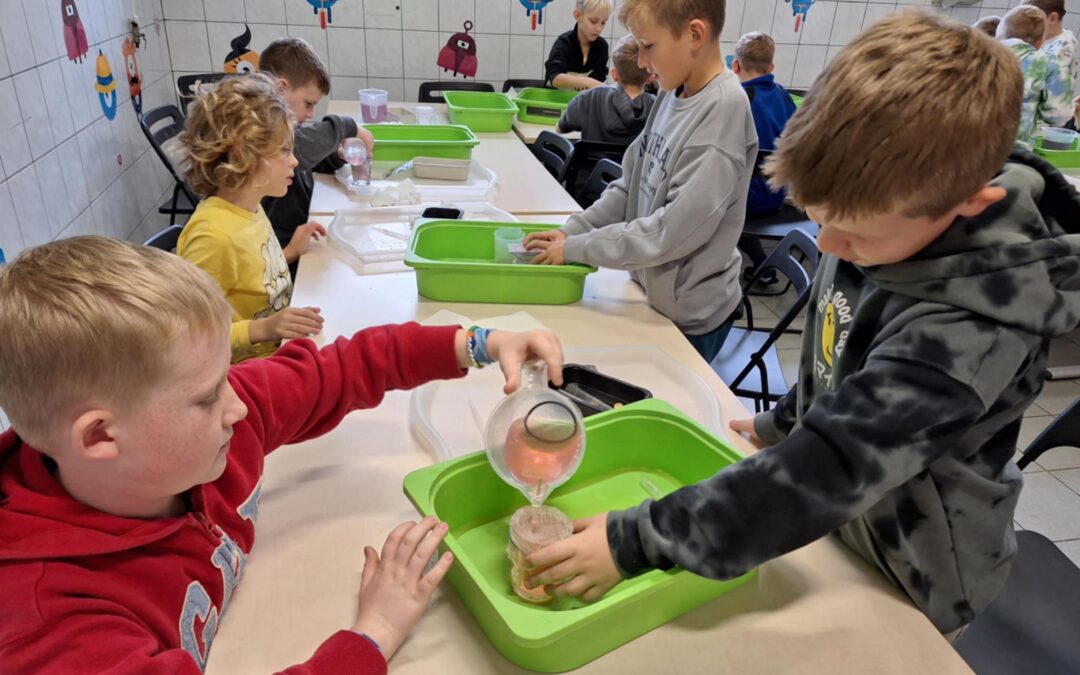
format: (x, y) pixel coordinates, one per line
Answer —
(531, 529)
(504, 238)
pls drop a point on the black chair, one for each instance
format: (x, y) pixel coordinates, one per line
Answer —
(521, 84)
(748, 363)
(1031, 626)
(187, 85)
(161, 125)
(553, 151)
(581, 162)
(166, 239)
(431, 92)
(602, 174)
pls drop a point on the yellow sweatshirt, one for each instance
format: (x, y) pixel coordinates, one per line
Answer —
(238, 248)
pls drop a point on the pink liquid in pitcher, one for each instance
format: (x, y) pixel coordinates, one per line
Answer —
(535, 463)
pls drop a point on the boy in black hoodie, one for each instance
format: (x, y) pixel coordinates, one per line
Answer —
(303, 82)
(951, 260)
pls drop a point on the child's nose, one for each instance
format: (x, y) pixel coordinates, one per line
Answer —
(237, 410)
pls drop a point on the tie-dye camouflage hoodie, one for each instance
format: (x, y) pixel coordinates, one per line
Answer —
(900, 432)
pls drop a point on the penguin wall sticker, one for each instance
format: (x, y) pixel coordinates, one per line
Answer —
(799, 9)
(323, 9)
(459, 54)
(106, 86)
(74, 33)
(134, 76)
(534, 10)
(242, 59)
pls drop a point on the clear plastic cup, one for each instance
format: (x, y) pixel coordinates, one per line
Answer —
(504, 236)
(531, 529)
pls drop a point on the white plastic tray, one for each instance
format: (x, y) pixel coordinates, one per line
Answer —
(374, 235)
(447, 417)
(476, 188)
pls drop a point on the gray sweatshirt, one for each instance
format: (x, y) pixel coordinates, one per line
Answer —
(900, 432)
(674, 217)
(607, 114)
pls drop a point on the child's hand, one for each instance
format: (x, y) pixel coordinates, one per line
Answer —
(291, 322)
(511, 349)
(301, 240)
(552, 252)
(585, 556)
(394, 590)
(546, 235)
(369, 140)
(746, 427)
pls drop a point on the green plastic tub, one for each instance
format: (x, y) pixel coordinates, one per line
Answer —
(481, 111)
(1062, 159)
(797, 100)
(454, 262)
(543, 106)
(402, 142)
(642, 450)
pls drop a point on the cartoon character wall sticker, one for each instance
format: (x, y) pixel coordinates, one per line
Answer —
(133, 74)
(323, 8)
(459, 54)
(799, 9)
(74, 33)
(242, 59)
(106, 86)
(534, 10)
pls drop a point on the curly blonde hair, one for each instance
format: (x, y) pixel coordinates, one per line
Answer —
(231, 129)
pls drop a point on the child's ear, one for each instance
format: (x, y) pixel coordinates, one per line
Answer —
(980, 201)
(577, 15)
(699, 33)
(736, 67)
(614, 75)
(282, 84)
(92, 435)
(772, 67)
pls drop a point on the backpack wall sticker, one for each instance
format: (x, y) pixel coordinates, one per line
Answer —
(242, 59)
(534, 11)
(459, 54)
(106, 86)
(799, 9)
(133, 74)
(74, 33)
(323, 8)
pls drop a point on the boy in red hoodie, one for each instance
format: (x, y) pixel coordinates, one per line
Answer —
(130, 480)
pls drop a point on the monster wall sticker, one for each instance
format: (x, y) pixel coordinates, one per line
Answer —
(459, 54)
(534, 11)
(799, 9)
(74, 33)
(106, 86)
(242, 59)
(324, 10)
(133, 74)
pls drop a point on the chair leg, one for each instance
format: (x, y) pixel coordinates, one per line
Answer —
(175, 202)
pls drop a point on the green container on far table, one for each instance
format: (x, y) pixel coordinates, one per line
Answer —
(455, 262)
(1062, 159)
(642, 450)
(402, 142)
(796, 99)
(481, 111)
(543, 106)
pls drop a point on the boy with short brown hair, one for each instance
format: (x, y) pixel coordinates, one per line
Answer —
(1059, 42)
(950, 261)
(1047, 91)
(130, 479)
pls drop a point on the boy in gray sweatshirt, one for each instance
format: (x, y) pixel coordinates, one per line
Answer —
(674, 217)
(951, 260)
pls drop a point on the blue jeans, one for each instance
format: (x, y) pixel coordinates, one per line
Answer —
(709, 344)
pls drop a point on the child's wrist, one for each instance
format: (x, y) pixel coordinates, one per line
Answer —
(476, 346)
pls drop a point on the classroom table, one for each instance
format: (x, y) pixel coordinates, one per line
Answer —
(523, 185)
(819, 609)
(528, 131)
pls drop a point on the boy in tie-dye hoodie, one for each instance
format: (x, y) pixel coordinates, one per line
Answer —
(1047, 90)
(950, 260)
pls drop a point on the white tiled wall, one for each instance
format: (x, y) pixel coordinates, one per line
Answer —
(65, 169)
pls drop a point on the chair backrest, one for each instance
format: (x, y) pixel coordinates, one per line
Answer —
(553, 151)
(602, 174)
(586, 155)
(186, 85)
(161, 125)
(521, 84)
(431, 92)
(1062, 432)
(166, 239)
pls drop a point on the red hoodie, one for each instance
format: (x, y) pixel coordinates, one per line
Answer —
(83, 591)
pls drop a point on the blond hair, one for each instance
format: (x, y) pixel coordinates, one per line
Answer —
(1048, 6)
(988, 25)
(295, 61)
(90, 320)
(755, 52)
(605, 7)
(231, 129)
(1025, 22)
(625, 61)
(674, 14)
(915, 115)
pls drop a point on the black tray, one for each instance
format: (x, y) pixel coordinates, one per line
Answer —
(607, 389)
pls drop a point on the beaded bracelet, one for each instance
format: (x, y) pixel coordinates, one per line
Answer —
(476, 346)
(470, 347)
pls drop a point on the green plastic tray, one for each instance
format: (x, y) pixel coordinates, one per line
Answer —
(543, 106)
(454, 262)
(402, 142)
(1062, 159)
(481, 111)
(797, 100)
(631, 454)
